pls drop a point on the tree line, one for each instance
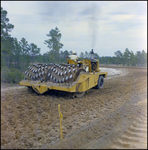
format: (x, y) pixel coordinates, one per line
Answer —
(127, 58)
(16, 55)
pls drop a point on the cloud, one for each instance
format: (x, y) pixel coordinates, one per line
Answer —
(102, 25)
(60, 11)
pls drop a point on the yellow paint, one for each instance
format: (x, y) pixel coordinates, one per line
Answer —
(84, 82)
(24, 83)
(70, 61)
(60, 118)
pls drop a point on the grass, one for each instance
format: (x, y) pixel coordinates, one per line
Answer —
(5, 84)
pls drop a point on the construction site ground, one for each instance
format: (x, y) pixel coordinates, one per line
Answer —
(112, 117)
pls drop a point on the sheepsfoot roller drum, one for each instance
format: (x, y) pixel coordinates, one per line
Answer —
(75, 77)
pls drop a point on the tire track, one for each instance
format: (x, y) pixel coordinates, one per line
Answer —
(134, 137)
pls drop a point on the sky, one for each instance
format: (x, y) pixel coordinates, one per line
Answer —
(104, 26)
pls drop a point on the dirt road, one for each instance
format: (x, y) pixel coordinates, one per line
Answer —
(112, 117)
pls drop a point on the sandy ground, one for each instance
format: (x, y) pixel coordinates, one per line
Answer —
(113, 117)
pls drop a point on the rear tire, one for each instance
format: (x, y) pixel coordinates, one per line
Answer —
(100, 83)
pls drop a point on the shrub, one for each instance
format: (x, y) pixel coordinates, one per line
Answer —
(11, 75)
(4, 73)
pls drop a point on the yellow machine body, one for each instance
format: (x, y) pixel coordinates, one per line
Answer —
(84, 81)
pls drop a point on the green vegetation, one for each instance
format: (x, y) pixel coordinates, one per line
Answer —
(128, 58)
(16, 55)
(11, 75)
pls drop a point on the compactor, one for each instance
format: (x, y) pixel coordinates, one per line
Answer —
(77, 76)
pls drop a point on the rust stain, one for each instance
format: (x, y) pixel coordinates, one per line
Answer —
(77, 87)
(87, 83)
